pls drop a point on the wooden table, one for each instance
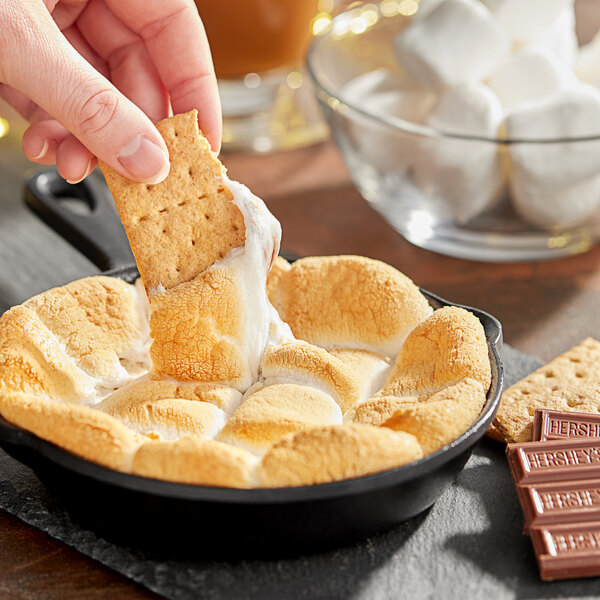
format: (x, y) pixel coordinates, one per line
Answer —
(545, 308)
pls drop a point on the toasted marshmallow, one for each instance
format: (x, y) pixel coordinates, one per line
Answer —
(446, 348)
(276, 410)
(197, 328)
(275, 280)
(371, 369)
(215, 327)
(77, 342)
(303, 363)
(33, 361)
(319, 455)
(337, 301)
(443, 417)
(81, 430)
(167, 418)
(195, 460)
(105, 333)
(375, 411)
(225, 398)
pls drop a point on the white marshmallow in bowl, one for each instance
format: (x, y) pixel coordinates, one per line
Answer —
(529, 74)
(413, 103)
(459, 41)
(561, 39)
(526, 21)
(547, 178)
(381, 92)
(587, 64)
(573, 112)
(464, 176)
(565, 207)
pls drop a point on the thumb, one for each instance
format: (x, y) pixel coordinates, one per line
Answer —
(40, 63)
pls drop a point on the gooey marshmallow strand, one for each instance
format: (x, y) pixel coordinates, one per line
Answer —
(252, 263)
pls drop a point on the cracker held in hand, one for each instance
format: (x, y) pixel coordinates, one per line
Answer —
(570, 383)
(202, 244)
(181, 226)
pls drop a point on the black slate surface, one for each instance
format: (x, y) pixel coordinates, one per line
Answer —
(468, 545)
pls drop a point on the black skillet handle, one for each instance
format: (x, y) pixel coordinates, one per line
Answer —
(84, 214)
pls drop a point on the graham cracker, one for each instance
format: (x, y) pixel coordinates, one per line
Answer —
(181, 226)
(570, 382)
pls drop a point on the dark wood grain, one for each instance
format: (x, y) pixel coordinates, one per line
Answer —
(34, 566)
(545, 308)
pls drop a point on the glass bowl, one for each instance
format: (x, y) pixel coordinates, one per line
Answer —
(453, 194)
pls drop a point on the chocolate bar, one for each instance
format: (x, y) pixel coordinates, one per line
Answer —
(556, 425)
(558, 485)
(560, 502)
(558, 460)
(567, 551)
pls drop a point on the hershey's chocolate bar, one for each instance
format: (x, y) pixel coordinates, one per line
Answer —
(559, 460)
(555, 425)
(567, 551)
(560, 502)
(558, 485)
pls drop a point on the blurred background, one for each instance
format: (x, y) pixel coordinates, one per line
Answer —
(432, 159)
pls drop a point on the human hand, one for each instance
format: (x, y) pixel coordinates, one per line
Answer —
(91, 76)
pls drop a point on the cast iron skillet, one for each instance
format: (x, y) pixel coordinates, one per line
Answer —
(219, 521)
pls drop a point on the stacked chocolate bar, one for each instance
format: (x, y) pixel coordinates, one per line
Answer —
(557, 476)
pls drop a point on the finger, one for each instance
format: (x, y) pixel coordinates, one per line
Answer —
(41, 140)
(66, 12)
(176, 41)
(131, 68)
(73, 160)
(24, 106)
(134, 74)
(79, 43)
(83, 101)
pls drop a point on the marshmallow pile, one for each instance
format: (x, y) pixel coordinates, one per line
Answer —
(491, 69)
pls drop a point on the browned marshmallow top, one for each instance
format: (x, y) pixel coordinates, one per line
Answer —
(196, 377)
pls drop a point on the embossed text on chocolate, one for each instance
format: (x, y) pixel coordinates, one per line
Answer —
(571, 428)
(548, 459)
(560, 500)
(581, 541)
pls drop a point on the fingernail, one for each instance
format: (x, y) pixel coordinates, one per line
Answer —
(43, 151)
(88, 170)
(144, 160)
